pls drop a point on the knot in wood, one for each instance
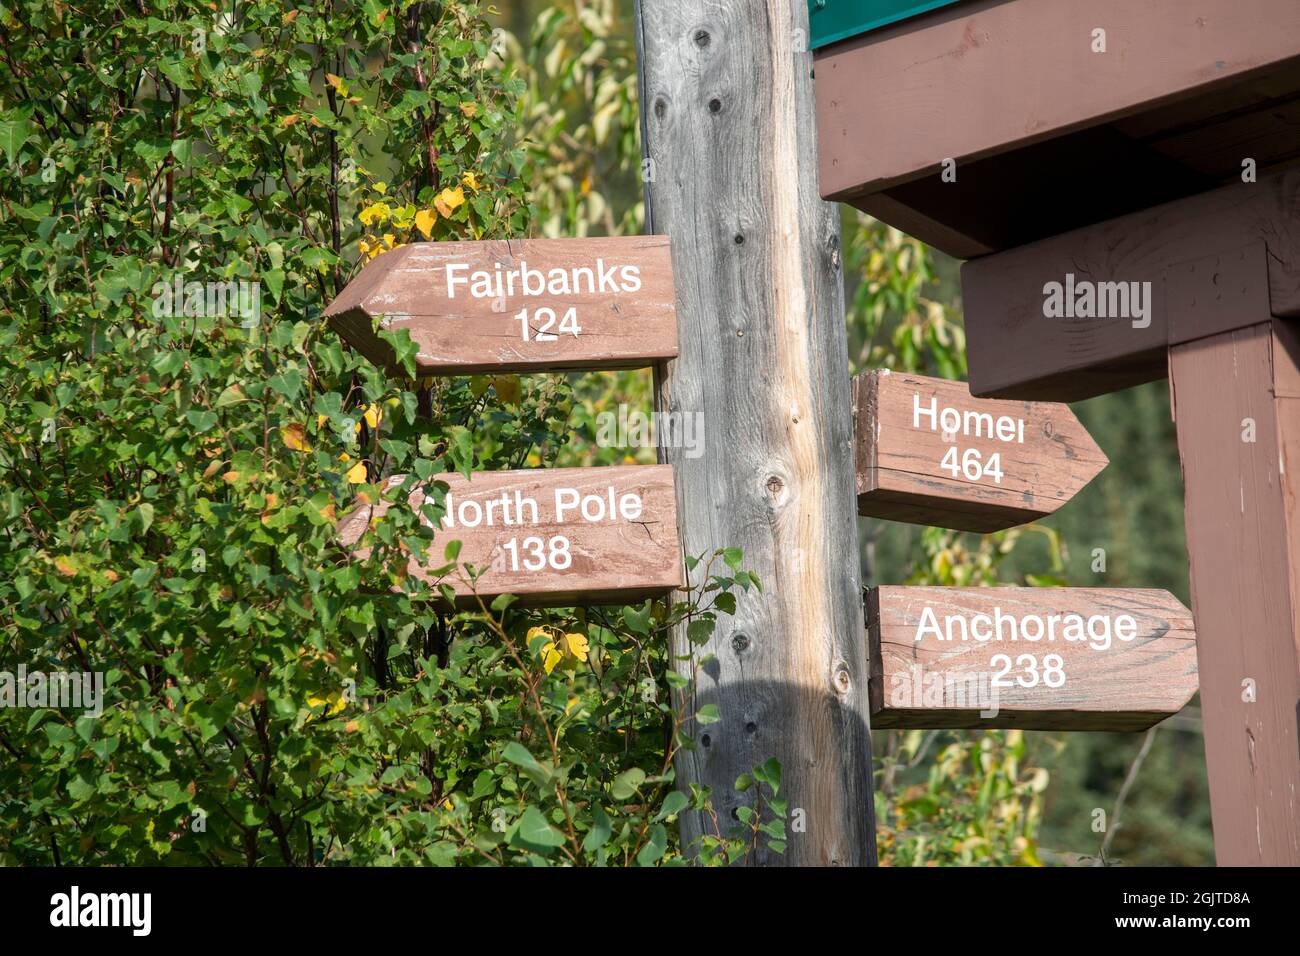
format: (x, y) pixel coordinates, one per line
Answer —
(843, 682)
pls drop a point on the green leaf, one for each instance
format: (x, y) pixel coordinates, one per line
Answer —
(15, 130)
(518, 755)
(675, 802)
(600, 832)
(201, 419)
(627, 783)
(534, 829)
(653, 851)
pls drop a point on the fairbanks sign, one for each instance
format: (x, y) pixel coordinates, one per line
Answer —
(524, 305)
(1035, 658)
(551, 537)
(929, 453)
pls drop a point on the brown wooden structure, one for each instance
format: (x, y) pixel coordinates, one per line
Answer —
(1033, 658)
(555, 536)
(929, 453)
(1044, 133)
(517, 305)
(1121, 176)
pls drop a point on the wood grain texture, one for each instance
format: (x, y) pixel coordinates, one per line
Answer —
(614, 555)
(1216, 261)
(626, 320)
(1032, 456)
(988, 83)
(727, 112)
(1106, 684)
(1243, 535)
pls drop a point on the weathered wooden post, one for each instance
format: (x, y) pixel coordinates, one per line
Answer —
(727, 114)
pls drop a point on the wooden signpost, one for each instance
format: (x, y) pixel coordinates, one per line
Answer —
(556, 536)
(1034, 658)
(929, 453)
(551, 537)
(518, 305)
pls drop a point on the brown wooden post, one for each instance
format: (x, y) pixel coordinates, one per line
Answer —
(1236, 398)
(727, 113)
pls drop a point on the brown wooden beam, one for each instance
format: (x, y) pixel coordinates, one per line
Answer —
(1209, 263)
(1047, 133)
(1236, 399)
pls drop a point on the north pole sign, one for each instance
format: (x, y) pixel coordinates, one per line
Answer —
(551, 537)
(1034, 658)
(929, 453)
(520, 305)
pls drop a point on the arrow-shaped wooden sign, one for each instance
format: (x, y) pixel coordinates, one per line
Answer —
(1035, 658)
(516, 305)
(928, 453)
(557, 537)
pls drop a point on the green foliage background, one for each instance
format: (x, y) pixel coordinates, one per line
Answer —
(171, 481)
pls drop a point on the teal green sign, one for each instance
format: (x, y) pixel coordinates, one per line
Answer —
(834, 20)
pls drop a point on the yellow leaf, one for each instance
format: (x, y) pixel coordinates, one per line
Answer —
(290, 16)
(357, 473)
(289, 120)
(550, 657)
(424, 220)
(507, 387)
(375, 212)
(295, 437)
(374, 415)
(471, 180)
(333, 703)
(576, 646)
(448, 200)
(381, 188)
(334, 81)
(66, 567)
(469, 109)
